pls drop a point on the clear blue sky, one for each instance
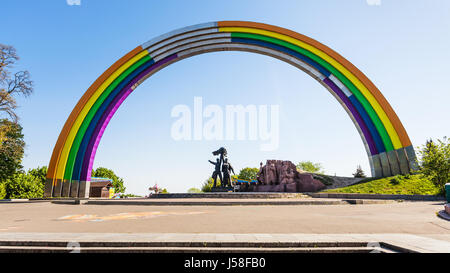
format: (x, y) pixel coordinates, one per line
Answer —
(402, 46)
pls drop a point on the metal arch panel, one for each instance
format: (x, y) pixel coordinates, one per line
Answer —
(378, 169)
(412, 159)
(341, 85)
(403, 161)
(178, 43)
(178, 32)
(181, 37)
(191, 45)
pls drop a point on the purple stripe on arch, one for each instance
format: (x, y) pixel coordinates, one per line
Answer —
(356, 115)
(100, 128)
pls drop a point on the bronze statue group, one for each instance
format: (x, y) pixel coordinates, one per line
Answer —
(222, 166)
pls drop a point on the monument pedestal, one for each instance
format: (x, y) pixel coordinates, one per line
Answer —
(222, 189)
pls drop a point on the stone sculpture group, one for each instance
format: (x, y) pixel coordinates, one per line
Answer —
(283, 176)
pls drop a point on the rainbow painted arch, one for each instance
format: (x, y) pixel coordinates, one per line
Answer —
(387, 144)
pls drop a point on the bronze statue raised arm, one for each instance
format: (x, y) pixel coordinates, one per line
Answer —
(216, 171)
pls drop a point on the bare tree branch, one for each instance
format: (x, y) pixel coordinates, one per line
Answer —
(8, 57)
(19, 84)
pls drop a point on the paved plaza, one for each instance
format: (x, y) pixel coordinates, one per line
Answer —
(396, 217)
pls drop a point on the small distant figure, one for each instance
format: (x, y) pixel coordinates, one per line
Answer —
(260, 174)
(155, 190)
(216, 171)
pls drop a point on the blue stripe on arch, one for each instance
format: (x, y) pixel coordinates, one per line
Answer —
(304, 58)
(373, 131)
(87, 136)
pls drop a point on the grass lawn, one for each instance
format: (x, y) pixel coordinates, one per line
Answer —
(408, 184)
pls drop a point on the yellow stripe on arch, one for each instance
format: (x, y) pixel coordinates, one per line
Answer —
(79, 120)
(367, 94)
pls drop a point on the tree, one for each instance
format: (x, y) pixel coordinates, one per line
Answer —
(11, 84)
(209, 183)
(11, 149)
(248, 173)
(40, 173)
(194, 190)
(308, 166)
(23, 186)
(117, 182)
(359, 172)
(435, 161)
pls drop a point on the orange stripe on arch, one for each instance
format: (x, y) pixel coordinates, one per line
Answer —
(404, 138)
(51, 174)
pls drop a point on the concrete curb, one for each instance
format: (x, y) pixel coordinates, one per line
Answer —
(378, 196)
(234, 195)
(166, 242)
(235, 203)
(214, 203)
(21, 201)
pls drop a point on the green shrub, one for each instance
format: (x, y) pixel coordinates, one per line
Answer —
(208, 184)
(248, 173)
(2, 191)
(40, 173)
(408, 184)
(435, 161)
(23, 186)
(310, 167)
(395, 181)
(194, 190)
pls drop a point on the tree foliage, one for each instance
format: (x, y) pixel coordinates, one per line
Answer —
(194, 190)
(40, 173)
(308, 166)
(359, 172)
(23, 186)
(11, 149)
(248, 173)
(209, 183)
(435, 161)
(2, 191)
(12, 84)
(117, 182)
